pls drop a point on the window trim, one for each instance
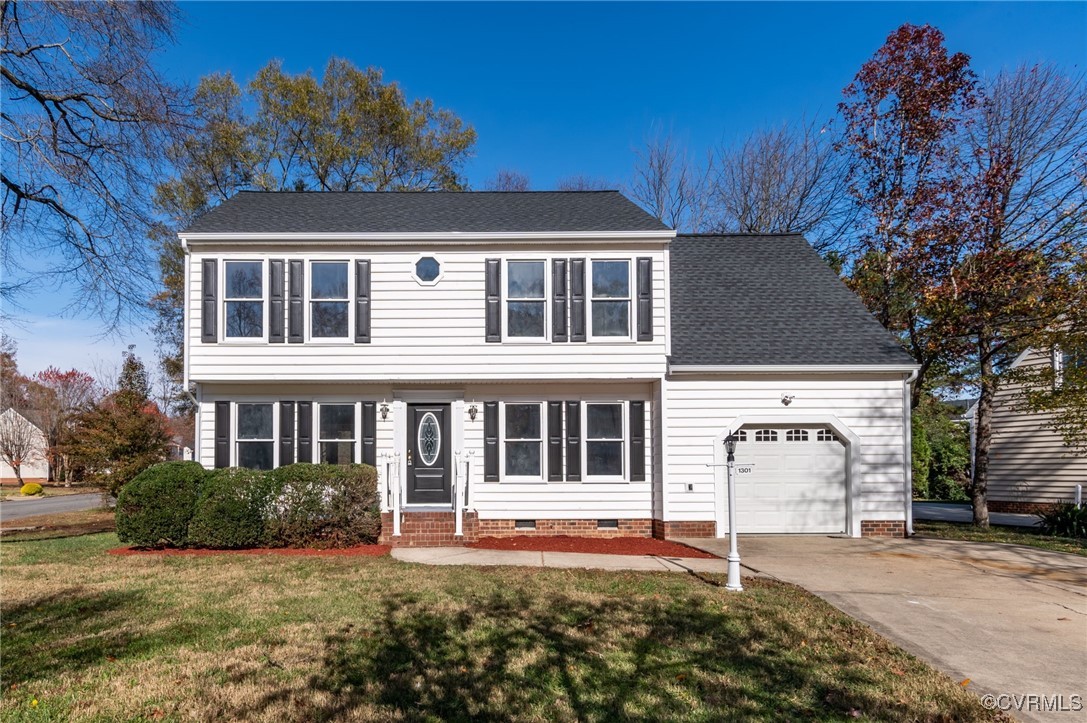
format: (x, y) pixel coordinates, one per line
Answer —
(427, 255)
(632, 321)
(356, 421)
(522, 479)
(546, 301)
(624, 418)
(308, 300)
(265, 302)
(234, 440)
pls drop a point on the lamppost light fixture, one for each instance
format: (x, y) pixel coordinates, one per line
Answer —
(730, 445)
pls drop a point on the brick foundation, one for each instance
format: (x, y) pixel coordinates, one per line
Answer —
(573, 528)
(699, 528)
(883, 528)
(1025, 508)
(428, 529)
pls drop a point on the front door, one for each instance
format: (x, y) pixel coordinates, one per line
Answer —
(428, 455)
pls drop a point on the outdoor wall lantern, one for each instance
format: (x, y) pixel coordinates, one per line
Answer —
(787, 399)
(384, 411)
(472, 412)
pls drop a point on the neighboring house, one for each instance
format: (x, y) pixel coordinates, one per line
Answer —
(35, 468)
(543, 363)
(1030, 467)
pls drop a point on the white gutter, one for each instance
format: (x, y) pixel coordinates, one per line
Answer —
(432, 237)
(790, 368)
(907, 422)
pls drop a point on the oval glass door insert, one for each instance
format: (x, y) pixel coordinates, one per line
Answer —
(430, 439)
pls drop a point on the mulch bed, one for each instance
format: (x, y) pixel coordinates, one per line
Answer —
(358, 551)
(637, 546)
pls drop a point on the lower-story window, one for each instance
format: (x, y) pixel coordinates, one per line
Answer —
(336, 433)
(524, 440)
(255, 438)
(604, 440)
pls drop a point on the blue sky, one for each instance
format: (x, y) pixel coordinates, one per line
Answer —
(556, 89)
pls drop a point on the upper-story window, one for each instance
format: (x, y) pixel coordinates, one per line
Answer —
(610, 298)
(329, 307)
(244, 297)
(526, 305)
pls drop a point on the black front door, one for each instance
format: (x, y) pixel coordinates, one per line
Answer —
(428, 455)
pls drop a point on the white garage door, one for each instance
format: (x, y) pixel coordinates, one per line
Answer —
(790, 480)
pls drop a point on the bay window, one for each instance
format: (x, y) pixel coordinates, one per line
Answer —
(255, 437)
(610, 298)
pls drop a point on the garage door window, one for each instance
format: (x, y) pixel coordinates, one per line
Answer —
(825, 435)
(796, 435)
(766, 435)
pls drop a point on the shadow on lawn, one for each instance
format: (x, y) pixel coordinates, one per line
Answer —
(510, 656)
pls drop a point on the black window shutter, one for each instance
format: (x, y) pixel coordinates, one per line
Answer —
(558, 303)
(362, 302)
(209, 301)
(305, 431)
(637, 441)
(494, 300)
(490, 441)
(577, 300)
(573, 441)
(296, 322)
(222, 435)
(286, 433)
(645, 299)
(554, 441)
(369, 433)
(275, 301)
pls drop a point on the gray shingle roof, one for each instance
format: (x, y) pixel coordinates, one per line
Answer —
(467, 212)
(766, 300)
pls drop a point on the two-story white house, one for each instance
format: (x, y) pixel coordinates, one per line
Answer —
(543, 363)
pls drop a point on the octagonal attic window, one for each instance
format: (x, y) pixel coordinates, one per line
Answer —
(427, 269)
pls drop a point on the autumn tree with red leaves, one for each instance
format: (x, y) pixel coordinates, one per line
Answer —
(57, 397)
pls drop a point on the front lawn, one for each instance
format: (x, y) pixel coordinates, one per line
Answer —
(87, 635)
(996, 533)
(59, 524)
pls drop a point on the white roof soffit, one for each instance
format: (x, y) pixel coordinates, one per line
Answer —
(794, 369)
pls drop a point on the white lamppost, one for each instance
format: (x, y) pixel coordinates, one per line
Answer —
(733, 558)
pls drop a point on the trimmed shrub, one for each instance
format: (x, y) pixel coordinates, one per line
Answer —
(323, 505)
(1064, 520)
(229, 510)
(30, 489)
(155, 508)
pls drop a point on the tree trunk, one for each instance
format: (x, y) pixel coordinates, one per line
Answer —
(979, 488)
(18, 473)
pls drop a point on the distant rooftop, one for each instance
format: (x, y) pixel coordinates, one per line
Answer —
(426, 212)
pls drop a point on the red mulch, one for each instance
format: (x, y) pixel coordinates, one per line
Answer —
(358, 551)
(602, 546)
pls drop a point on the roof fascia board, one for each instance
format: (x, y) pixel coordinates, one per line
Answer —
(682, 369)
(439, 237)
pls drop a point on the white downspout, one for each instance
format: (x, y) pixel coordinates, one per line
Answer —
(907, 421)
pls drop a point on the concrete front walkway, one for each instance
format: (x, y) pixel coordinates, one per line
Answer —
(525, 558)
(1012, 619)
(954, 512)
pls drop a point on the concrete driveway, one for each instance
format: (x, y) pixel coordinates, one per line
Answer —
(15, 509)
(1012, 619)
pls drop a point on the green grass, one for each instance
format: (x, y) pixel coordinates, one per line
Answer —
(997, 533)
(91, 636)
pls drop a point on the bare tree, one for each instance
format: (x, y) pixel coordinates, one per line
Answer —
(785, 179)
(19, 441)
(85, 124)
(581, 182)
(508, 180)
(669, 186)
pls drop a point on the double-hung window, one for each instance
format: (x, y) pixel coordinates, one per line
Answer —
(610, 298)
(336, 433)
(244, 299)
(523, 440)
(255, 438)
(329, 303)
(526, 305)
(605, 439)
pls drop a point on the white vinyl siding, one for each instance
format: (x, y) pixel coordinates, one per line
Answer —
(698, 409)
(424, 333)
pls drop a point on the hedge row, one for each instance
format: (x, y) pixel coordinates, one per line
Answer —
(180, 504)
